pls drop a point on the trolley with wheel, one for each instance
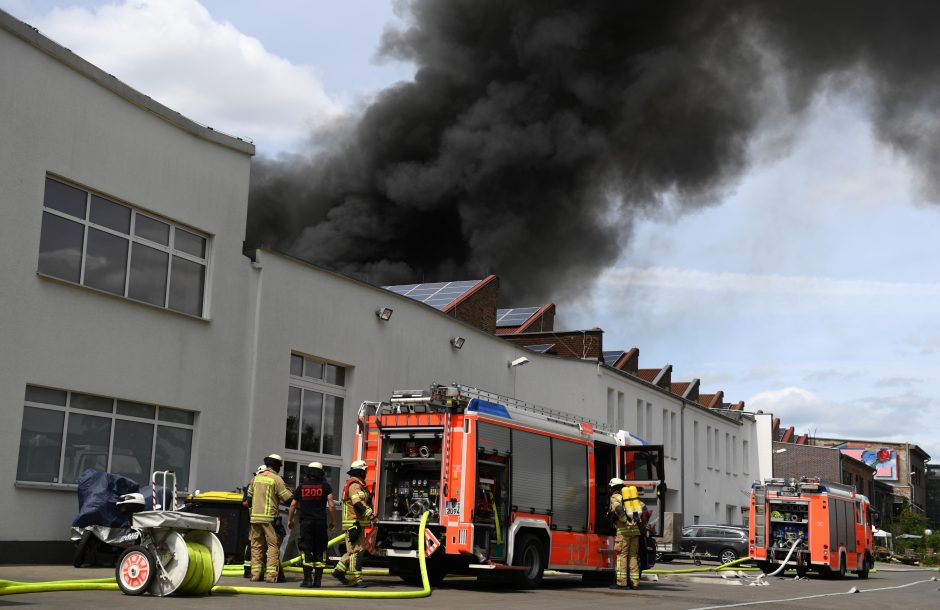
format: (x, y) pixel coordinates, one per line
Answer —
(177, 552)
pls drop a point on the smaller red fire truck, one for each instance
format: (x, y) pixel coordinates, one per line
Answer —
(509, 486)
(810, 525)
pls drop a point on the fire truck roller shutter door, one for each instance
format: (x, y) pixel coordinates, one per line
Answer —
(531, 482)
(569, 485)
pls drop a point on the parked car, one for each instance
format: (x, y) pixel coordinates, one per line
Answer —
(724, 543)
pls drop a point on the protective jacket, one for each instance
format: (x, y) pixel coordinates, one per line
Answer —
(625, 523)
(357, 504)
(265, 494)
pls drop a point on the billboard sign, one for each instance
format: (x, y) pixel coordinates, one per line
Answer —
(883, 460)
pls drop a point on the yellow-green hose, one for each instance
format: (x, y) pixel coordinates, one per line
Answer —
(722, 568)
(425, 590)
(9, 587)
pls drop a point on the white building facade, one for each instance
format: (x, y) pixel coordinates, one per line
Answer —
(137, 337)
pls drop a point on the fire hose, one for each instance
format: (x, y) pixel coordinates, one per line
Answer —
(195, 581)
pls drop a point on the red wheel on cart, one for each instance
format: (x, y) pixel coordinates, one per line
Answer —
(135, 571)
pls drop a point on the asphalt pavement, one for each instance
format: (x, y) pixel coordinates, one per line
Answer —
(889, 586)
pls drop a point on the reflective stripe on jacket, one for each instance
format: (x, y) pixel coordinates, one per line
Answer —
(266, 492)
(353, 492)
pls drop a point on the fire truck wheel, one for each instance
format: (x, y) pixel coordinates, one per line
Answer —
(863, 571)
(801, 571)
(529, 553)
(841, 572)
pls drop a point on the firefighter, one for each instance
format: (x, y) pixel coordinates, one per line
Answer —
(314, 501)
(265, 493)
(637, 513)
(626, 541)
(247, 553)
(357, 514)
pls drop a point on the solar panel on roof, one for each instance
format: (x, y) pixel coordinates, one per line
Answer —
(541, 348)
(436, 294)
(514, 317)
(612, 356)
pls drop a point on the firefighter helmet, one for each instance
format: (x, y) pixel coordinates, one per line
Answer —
(359, 465)
(260, 469)
(275, 456)
(616, 482)
(316, 465)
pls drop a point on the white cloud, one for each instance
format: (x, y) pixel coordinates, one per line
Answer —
(904, 417)
(173, 51)
(765, 284)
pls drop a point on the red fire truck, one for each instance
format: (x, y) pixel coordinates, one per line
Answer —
(510, 486)
(828, 524)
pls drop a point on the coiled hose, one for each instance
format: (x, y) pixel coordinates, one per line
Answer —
(195, 581)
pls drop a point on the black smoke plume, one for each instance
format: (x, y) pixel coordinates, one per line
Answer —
(536, 132)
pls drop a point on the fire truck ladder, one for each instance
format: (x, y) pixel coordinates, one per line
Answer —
(554, 415)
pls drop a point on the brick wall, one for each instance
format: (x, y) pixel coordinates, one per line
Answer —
(568, 344)
(479, 309)
(806, 460)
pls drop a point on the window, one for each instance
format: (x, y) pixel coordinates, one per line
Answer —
(728, 452)
(668, 448)
(109, 246)
(639, 417)
(611, 409)
(648, 433)
(708, 440)
(734, 454)
(65, 433)
(315, 406)
(621, 412)
(293, 478)
(672, 435)
(745, 457)
(717, 459)
(696, 458)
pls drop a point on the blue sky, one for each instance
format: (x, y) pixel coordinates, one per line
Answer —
(811, 290)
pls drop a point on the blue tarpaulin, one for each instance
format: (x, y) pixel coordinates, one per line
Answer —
(98, 493)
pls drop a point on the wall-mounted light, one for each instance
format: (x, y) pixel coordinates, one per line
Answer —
(457, 342)
(780, 450)
(384, 313)
(518, 361)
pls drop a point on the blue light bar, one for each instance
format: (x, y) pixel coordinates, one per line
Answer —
(488, 408)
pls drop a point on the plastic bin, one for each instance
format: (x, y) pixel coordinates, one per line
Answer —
(233, 520)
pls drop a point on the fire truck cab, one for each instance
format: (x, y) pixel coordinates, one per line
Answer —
(810, 525)
(509, 486)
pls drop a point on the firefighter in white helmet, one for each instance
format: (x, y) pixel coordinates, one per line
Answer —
(265, 493)
(357, 514)
(313, 500)
(626, 542)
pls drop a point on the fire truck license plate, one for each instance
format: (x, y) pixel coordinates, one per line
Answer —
(452, 510)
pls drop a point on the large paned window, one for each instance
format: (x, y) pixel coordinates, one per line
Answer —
(65, 433)
(109, 246)
(315, 401)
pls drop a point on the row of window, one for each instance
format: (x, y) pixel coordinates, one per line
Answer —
(109, 246)
(65, 433)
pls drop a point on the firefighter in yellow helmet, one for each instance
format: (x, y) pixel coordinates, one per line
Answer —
(357, 514)
(626, 542)
(265, 493)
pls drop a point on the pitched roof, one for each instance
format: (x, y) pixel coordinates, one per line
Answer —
(441, 295)
(521, 319)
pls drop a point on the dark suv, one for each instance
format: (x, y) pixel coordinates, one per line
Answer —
(722, 542)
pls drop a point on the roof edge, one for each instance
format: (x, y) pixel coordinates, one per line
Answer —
(479, 286)
(32, 36)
